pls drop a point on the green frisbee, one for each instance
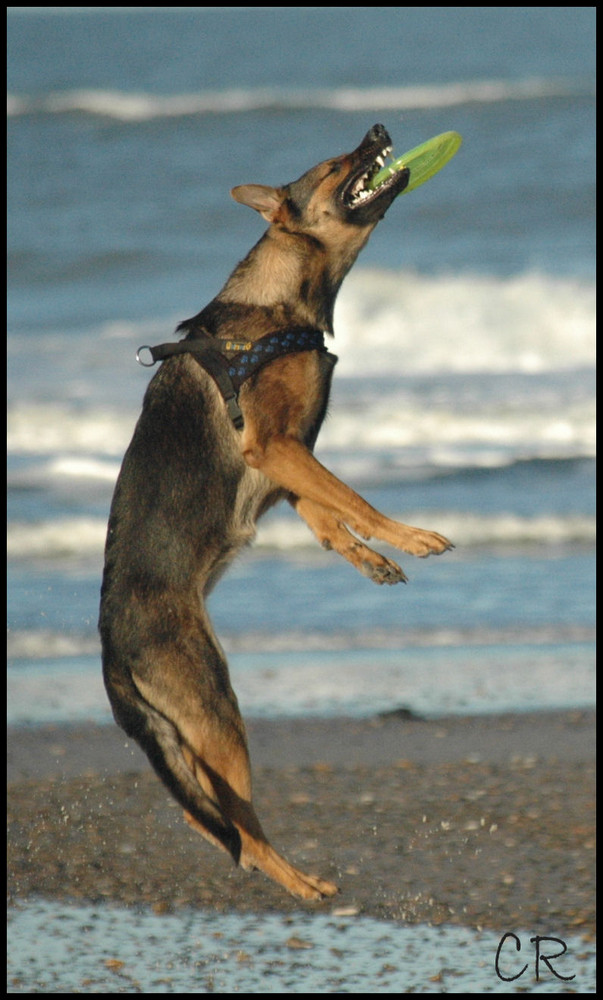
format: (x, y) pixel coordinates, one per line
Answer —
(423, 161)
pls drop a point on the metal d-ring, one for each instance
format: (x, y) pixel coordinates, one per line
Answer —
(145, 364)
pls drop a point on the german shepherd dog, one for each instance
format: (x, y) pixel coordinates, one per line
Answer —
(195, 480)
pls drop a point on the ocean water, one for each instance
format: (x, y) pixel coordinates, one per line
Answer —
(464, 397)
(464, 400)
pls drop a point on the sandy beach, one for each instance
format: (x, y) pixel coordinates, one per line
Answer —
(483, 822)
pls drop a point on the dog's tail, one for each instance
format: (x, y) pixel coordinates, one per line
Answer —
(159, 739)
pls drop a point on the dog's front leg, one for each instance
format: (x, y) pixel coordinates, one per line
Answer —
(288, 462)
(333, 534)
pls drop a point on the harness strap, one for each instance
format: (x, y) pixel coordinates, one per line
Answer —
(231, 362)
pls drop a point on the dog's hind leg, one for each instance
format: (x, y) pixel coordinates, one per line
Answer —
(202, 708)
(161, 740)
(230, 779)
(333, 534)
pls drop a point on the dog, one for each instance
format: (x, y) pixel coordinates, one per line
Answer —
(227, 429)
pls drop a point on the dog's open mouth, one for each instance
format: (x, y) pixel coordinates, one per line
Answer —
(358, 191)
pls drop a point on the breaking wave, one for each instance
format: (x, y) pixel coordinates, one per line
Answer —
(137, 107)
(84, 537)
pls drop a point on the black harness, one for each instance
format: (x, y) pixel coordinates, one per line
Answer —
(231, 362)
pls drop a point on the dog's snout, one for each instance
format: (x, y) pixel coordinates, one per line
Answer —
(377, 134)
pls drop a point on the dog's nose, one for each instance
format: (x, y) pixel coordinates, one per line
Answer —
(377, 134)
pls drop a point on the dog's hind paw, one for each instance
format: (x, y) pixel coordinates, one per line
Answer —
(314, 888)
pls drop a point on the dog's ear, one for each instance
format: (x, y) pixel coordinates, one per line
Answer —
(265, 200)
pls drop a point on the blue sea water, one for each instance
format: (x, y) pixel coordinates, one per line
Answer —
(464, 398)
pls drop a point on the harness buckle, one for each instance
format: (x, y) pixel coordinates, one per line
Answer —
(238, 345)
(234, 411)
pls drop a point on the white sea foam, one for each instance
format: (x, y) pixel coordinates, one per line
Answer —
(390, 322)
(429, 679)
(468, 530)
(66, 445)
(443, 438)
(77, 538)
(35, 645)
(391, 328)
(411, 323)
(62, 430)
(139, 106)
(84, 537)
(45, 644)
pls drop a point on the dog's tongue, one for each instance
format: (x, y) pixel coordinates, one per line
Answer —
(423, 161)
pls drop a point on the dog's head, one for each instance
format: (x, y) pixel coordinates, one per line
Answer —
(332, 194)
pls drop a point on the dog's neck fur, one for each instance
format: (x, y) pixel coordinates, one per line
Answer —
(276, 275)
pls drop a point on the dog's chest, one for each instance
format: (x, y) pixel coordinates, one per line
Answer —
(254, 496)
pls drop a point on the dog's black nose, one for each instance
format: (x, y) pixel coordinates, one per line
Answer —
(377, 134)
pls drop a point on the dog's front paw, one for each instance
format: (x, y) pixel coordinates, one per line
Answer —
(381, 570)
(435, 544)
(426, 543)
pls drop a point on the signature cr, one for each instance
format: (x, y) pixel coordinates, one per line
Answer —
(506, 944)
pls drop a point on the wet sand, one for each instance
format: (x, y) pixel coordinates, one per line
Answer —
(484, 822)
